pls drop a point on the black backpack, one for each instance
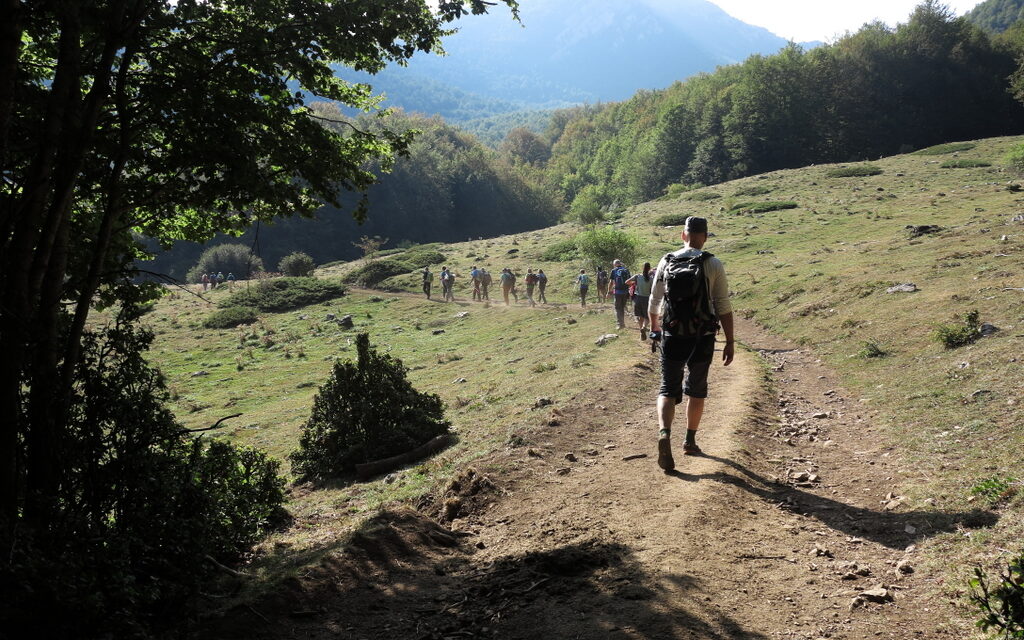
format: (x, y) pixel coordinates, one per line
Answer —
(688, 309)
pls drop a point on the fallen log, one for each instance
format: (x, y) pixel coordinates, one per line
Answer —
(377, 467)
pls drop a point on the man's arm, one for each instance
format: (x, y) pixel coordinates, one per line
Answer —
(729, 350)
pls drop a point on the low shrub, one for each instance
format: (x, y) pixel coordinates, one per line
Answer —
(1014, 158)
(671, 220)
(373, 273)
(560, 251)
(965, 163)
(755, 190)
(421, 256)
(367, 410)
(282, 294)
(995, 490)
(703, 196)
(1001, 604)
(963, 333)
(297, 265)
(855, 171)
(230, 317)
(236, 259)
(940, 149)
(762, 207)
(871, 349)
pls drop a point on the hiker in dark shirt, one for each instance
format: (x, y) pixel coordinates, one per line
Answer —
(542, 284)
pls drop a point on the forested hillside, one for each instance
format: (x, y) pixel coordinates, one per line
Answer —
(876, 92)
(449, 187)
(996, 16)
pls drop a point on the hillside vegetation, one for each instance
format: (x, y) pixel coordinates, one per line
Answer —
(819, 273)
(996, 16)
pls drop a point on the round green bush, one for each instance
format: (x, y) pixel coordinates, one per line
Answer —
(297, 265)
(373, 273)
(671, 220)
(230, 317)
(703, 196)
(855, 171)
(949, 147)
(226, 258)
(762, 207)
(282, 294)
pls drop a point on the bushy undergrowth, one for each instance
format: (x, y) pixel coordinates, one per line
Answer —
(965, 163)
(940, 149)
(671, 219)
(960, 334)
(367, 410)
(421, 256)
(1001, 604)
(282, 294)
(230, 317)
(297, 265)
(856, 171)
(754, 190)
(703, 196)
(1014, 158)
(142, 513)
(763, 207)
(373, 273)
(561, 251)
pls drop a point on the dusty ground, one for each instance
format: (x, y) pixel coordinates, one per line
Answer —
(773, 534)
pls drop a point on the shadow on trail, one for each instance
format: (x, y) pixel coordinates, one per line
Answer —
(403, 576)
(883, 527)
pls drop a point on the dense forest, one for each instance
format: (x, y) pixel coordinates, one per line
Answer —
(996, 16)
(876, 92)
(449, 186)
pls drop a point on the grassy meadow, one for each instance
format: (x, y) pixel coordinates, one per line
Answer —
(817, 272)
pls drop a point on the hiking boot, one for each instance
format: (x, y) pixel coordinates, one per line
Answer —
(643, 333)
(665, 460)
(691, 450)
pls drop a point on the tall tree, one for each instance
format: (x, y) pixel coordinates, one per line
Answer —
(174, 119)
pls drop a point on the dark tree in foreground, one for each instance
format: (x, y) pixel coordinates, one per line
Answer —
(170, 119)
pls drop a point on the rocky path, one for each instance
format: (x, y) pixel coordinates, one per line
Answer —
(789, 527)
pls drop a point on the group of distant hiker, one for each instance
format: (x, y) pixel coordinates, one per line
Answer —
(680, 305)
(213, 280)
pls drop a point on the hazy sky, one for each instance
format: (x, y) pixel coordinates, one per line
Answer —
(806, 20)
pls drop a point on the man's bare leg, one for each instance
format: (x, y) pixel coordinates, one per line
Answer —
(666, 413)
(694, 412)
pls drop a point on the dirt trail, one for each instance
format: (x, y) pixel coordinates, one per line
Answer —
(776, 532)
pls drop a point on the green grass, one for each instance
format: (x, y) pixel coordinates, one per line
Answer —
(702, 196)
(762, 207)
(940, 149)
(965, 163)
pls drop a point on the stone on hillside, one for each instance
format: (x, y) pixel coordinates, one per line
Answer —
(330, 317)
(198, 374)
(906, 287)
(462, 314)
(1017, 218)
(512, 252)
(904, 566)
(437, 332)
(987, 329)
(879, 595)
(918, 230)
(821, 415)
(564, 471)
(346, 321)
(459, 381)
(542, 402)
(606, 338)
(571, 457)
(570, 321)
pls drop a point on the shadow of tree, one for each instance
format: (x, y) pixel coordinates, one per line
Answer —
(883, 527)
(404, 576)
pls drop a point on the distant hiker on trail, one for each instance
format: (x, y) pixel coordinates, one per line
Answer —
(206, 281)
(602, 284)
(619, 287)
(582, 284)
(231, 280)
(641, 284)
(446, 283)
(689, 302)
(451, 286)
(474, 273)
(531, 282)
(485, 284)
(428, 279)
(508, 282)
(542, 284)
(220, 278)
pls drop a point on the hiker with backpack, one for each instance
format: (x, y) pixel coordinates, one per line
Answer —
(689, 303)
(531, 282)
(485, 283)
(508, 282)
(446, 283)
(619, 287)
(582, 284)
(474, 273)
(602, 284)
(542, 283)
(641, 286)
(451, 286)
(428, 279)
